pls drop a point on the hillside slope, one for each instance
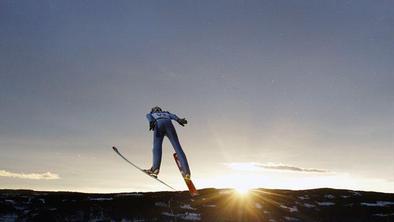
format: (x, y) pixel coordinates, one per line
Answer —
(212, 205)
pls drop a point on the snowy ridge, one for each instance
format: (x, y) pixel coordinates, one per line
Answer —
(212, 205)
(378, 204)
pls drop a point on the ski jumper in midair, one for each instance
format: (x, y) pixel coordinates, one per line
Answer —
(160, 123)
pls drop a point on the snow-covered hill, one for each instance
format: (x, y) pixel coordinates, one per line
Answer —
(212, 205)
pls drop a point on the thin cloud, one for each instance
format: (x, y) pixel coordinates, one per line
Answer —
(252, 166)
(30, 176)
(292, 168)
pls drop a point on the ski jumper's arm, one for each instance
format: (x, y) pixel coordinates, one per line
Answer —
(152, 121)
(181, 122)
(150, 117)
(173, 116)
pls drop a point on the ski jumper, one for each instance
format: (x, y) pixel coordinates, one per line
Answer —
(163, 128)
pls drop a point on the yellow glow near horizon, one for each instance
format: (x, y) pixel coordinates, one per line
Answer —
(241, 181)
(242, 190)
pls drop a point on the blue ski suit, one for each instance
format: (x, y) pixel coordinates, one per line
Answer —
(163, 128)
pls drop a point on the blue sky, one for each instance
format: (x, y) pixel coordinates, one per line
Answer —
(285, 84)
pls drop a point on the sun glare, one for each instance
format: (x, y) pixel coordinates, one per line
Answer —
(242, 190)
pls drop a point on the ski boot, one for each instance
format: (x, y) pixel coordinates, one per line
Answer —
(151, 172)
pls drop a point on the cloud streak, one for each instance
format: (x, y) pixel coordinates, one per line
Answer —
(30, 176)
(292, 168)
(252, 166)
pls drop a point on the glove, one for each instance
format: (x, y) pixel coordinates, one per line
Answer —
(152, 125)
(182, 122)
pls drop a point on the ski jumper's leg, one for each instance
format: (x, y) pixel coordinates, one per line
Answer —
(158, 137)
(171, 133)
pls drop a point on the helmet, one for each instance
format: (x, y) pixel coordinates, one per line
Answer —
(156, 109)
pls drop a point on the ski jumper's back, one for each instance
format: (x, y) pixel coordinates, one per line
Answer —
(161, 115)
(164, 127)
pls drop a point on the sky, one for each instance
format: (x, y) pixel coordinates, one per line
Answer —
(278, 94)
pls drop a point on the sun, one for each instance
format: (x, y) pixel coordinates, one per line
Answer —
(242, 189)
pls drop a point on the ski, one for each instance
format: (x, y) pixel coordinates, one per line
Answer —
(140, 169)
(192, 189)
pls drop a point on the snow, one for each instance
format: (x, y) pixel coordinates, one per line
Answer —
(291, 209)
(309, 205)
(329, 196)
(326, 204)
(191, 216)
(134, 220)
(187, 206)
(100, 198)
(10, 201)
(384, 215)
(185, 216)
(20, 207)
(377, 204)
(8, 218)
(258, 206)
(167, 214)
(303, 197)
(127, 220)
(355, 193)
(161, 204)
(28, 201)
(291, 219)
